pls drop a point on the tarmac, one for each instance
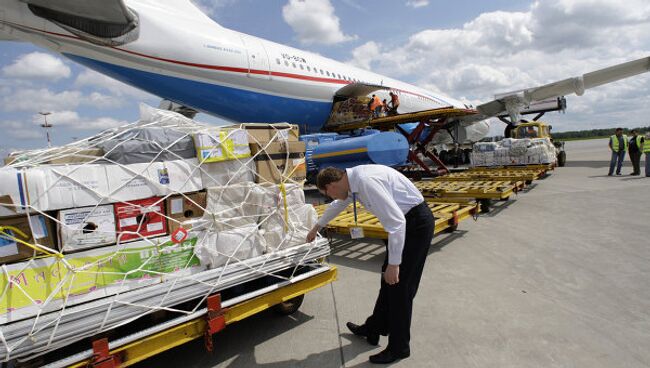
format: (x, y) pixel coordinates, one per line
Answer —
(555, 277)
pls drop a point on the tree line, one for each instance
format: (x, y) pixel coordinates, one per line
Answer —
(596, 133)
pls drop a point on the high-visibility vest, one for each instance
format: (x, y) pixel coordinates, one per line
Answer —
(646, 145)
(614, 140)
(638, 141)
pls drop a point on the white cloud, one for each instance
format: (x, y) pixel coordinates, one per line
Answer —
(363, 55)
(71, 119)
(315, 22)
(101, 101)
(18, 130)
(37, 65)
(417, 3)
(505, 51)
(90, 78)
(211, 7)
(40, 100)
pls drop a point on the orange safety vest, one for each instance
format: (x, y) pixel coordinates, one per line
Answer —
(375, 102)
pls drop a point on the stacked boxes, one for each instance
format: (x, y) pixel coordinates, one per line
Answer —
(513, 152)
(277, 153)
(239, 197)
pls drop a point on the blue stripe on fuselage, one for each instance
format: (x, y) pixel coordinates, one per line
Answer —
(227, 102)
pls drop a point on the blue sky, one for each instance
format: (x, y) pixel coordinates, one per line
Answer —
(465, 49)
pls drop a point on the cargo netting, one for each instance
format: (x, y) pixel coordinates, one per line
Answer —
(145, 217)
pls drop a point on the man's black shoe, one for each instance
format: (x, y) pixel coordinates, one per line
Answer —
(373, 339)
(388, 356)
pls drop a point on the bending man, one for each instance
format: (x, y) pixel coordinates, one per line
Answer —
(401, 209)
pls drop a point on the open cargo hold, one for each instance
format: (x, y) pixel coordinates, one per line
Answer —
(152, 232)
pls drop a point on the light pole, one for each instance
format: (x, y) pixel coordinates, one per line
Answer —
(47, 128)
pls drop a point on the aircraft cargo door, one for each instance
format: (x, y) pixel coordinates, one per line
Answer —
(258, 60)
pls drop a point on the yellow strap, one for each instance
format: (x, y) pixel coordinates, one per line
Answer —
(283, 190)
(13, 238)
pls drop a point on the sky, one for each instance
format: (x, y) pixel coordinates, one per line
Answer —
(464, 49)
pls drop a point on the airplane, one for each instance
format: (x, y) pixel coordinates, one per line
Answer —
(173, 50)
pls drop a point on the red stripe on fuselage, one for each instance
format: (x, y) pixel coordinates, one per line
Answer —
(222, 68)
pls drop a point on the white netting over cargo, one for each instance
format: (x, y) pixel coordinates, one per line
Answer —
(144, 217)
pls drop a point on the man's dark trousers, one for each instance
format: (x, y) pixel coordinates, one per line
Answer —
(394, 305)
(635, 157)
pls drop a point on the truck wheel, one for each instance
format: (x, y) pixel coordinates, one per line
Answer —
(290, 306)
(561, 159)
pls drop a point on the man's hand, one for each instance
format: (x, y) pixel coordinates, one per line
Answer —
(312, 233)
(391, 275)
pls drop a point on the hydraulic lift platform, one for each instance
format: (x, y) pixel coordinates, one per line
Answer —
(429, 122)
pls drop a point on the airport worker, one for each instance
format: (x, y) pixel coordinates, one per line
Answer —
(646, 149)
(384, 107)
(618, 145)
(635, 152)
(407, 219)
(374, 105)
(394, 103)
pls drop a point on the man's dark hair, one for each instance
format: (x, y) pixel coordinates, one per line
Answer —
(619, 129)
(633, 131)
(328, 175)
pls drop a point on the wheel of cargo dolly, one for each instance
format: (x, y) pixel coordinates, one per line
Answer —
(561, 159)
(291, 306)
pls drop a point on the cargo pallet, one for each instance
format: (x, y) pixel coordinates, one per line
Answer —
(285, 297)
(448, 216)
(526, 172)
(483, 191)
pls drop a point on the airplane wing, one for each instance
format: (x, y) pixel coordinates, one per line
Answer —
(106, 22)
(98, 21)
(514, 102)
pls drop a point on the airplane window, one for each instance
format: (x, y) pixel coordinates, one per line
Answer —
(294, 64)
(286, 63)
(308, 68)
(277, 61)
(328, 73)
(321, 71)
(339, 75)
(301, 67)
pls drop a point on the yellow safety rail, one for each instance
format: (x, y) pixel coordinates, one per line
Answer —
(155, 344)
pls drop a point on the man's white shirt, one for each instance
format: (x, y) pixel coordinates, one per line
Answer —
(386, 193)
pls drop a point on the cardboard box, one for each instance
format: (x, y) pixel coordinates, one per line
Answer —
(86, 227)
(37, 229)
(221, 144)
(48, 188)
(259, 133)
(279, 160)
(140, 219)
(98, 273)
(181, 208)
(76, 156)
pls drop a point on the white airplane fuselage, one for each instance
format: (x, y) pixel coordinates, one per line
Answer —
(183, 56)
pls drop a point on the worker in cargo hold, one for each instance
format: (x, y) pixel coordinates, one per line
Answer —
(635, 146)
(375, 106)
(618, 146)
(407, 219)
(393, 104)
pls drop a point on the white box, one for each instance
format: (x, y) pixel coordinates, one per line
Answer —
(86, 227)
(56, 187)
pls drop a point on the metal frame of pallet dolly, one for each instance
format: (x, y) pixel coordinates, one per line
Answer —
(204, 323)
(448, 216)
(483, 191)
